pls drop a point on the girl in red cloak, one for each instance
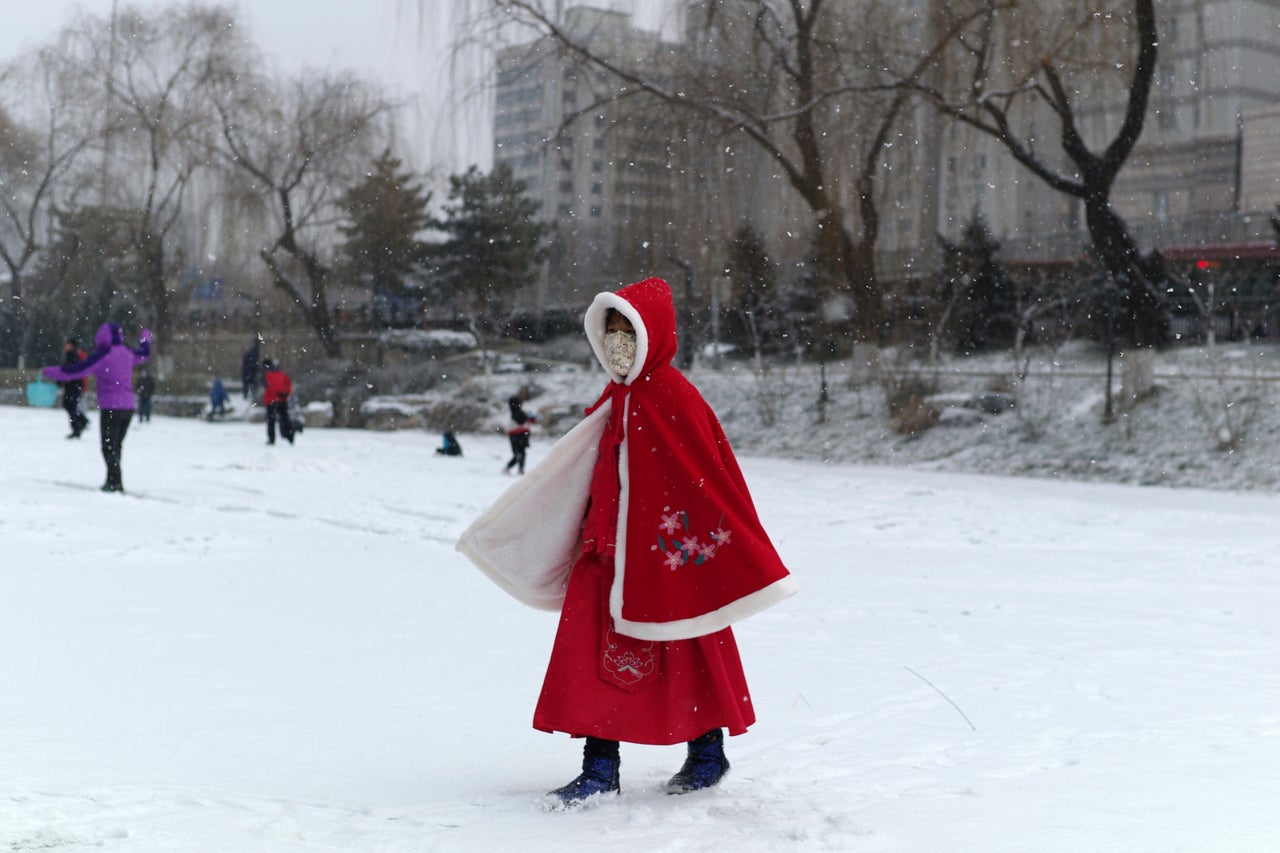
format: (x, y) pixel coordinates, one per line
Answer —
(639, 528)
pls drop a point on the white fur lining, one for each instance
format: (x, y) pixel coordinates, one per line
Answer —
(707, 623)
(528, 540)
(593, 321)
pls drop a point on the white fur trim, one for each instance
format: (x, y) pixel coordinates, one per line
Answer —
(684, 629)
(593, 321)
(528, 540)
(708, 623)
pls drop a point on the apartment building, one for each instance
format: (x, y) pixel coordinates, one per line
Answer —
(604, 165)
(634, 191)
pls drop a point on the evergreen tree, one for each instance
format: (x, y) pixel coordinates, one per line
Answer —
(494, 246)
(91, 273)
(384, 216)
(755, 293)
(984, 316)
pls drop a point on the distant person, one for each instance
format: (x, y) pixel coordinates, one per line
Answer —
(218, 398)
(73, 392)
(145, 389)
(250, 365)
(277, 386)
(450, 447)
(112, 364)
(518, 432)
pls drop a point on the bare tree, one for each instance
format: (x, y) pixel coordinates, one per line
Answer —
(800, 81)
(1014, 57)
(42, 137)
(155, 69)
(292, 149)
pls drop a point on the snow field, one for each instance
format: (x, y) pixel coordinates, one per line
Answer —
(277, 649)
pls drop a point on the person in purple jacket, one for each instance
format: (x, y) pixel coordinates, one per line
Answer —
(111, 363)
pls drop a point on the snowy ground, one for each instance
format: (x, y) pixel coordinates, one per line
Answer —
(277, 649)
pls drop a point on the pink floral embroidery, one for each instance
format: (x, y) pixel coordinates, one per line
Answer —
(688, 548)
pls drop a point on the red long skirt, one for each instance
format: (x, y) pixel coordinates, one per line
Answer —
(606, 685)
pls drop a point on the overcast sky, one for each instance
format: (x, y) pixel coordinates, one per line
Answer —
(403, 44)
(382, 39)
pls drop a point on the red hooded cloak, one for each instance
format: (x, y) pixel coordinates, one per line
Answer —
(647, 493)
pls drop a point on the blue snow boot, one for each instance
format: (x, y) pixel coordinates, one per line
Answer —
(599, 775)
(704, 767)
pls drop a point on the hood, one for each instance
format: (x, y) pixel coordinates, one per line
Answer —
(649, 307)
(108, 336)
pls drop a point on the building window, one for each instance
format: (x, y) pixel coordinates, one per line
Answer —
(565, 210)
(597, 188)
(597, 166)
(566, 187)
(595, 210)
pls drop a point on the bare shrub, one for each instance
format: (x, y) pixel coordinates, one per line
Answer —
(1226, 404)
(457, 416)
(915, 416)
(769, 396)
(906, 395)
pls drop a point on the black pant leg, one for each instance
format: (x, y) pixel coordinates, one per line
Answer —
(114, 424)
(278, 411)
(71, 404)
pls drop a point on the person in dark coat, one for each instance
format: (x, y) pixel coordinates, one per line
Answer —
(112, 364)
(72, 392)
(145, 389)
(250, 364)
(277, 386)
(518, 434)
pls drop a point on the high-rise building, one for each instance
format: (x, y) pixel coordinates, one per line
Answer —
(604, 165)
(635, 189)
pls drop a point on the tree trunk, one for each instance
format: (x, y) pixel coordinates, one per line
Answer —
(155, 289)
(315, 308)
(1144, 321)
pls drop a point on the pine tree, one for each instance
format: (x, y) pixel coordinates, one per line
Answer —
(384, 216)
(984, 313)
(755, 293)
(494, 246)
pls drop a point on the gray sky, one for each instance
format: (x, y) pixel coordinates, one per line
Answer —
(403, 44)
(381, 39)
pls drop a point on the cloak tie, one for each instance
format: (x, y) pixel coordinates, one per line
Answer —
(600, 530)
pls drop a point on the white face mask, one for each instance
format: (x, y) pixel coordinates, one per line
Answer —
(620, 351)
